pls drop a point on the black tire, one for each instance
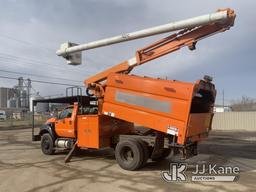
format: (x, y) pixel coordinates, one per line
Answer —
(129, 154)
(47, 144)
(144, 146)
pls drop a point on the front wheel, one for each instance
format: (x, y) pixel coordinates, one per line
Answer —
(47, 144)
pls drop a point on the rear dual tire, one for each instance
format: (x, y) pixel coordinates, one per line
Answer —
(131, 154)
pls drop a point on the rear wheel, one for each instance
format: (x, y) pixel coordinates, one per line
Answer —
(144, 146)
(47, 144)
(129, 154)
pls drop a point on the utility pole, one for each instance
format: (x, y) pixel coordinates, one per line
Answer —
(223, 99)
(28, 92)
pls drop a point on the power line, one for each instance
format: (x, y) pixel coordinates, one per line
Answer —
(44, 76)
(40, 46)
(33, 61)
(11, 58)
(17, 61)
(26, 42)
(45, 82)
(4, 77)
(29, 43)
(28, 60)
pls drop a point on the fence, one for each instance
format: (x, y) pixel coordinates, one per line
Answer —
(234, 121)
(228, 121)
(24, 121)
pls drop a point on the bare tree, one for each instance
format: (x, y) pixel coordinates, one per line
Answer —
(244, 104)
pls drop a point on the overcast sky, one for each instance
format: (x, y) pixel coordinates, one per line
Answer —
(32, 30)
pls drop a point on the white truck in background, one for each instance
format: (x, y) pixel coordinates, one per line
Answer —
(2, 115)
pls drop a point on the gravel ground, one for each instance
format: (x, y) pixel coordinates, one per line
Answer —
(23, 167)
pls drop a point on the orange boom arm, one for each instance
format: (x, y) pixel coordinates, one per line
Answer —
(187, 37)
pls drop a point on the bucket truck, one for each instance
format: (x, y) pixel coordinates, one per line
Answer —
(176, 115)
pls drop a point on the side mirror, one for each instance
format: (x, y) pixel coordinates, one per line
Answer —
(69, 115)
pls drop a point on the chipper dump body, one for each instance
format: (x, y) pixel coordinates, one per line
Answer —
(172, 107)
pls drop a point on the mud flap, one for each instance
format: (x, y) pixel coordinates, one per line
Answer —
(189, 151)
(71, 152)
(159, 146)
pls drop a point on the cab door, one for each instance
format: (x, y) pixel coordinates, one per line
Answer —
(64, 125)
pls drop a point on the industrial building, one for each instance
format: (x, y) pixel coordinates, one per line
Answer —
(6, 95)
(18, 99)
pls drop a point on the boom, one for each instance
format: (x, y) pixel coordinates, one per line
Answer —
(67, 49)
(191, 31)
(187, 37)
